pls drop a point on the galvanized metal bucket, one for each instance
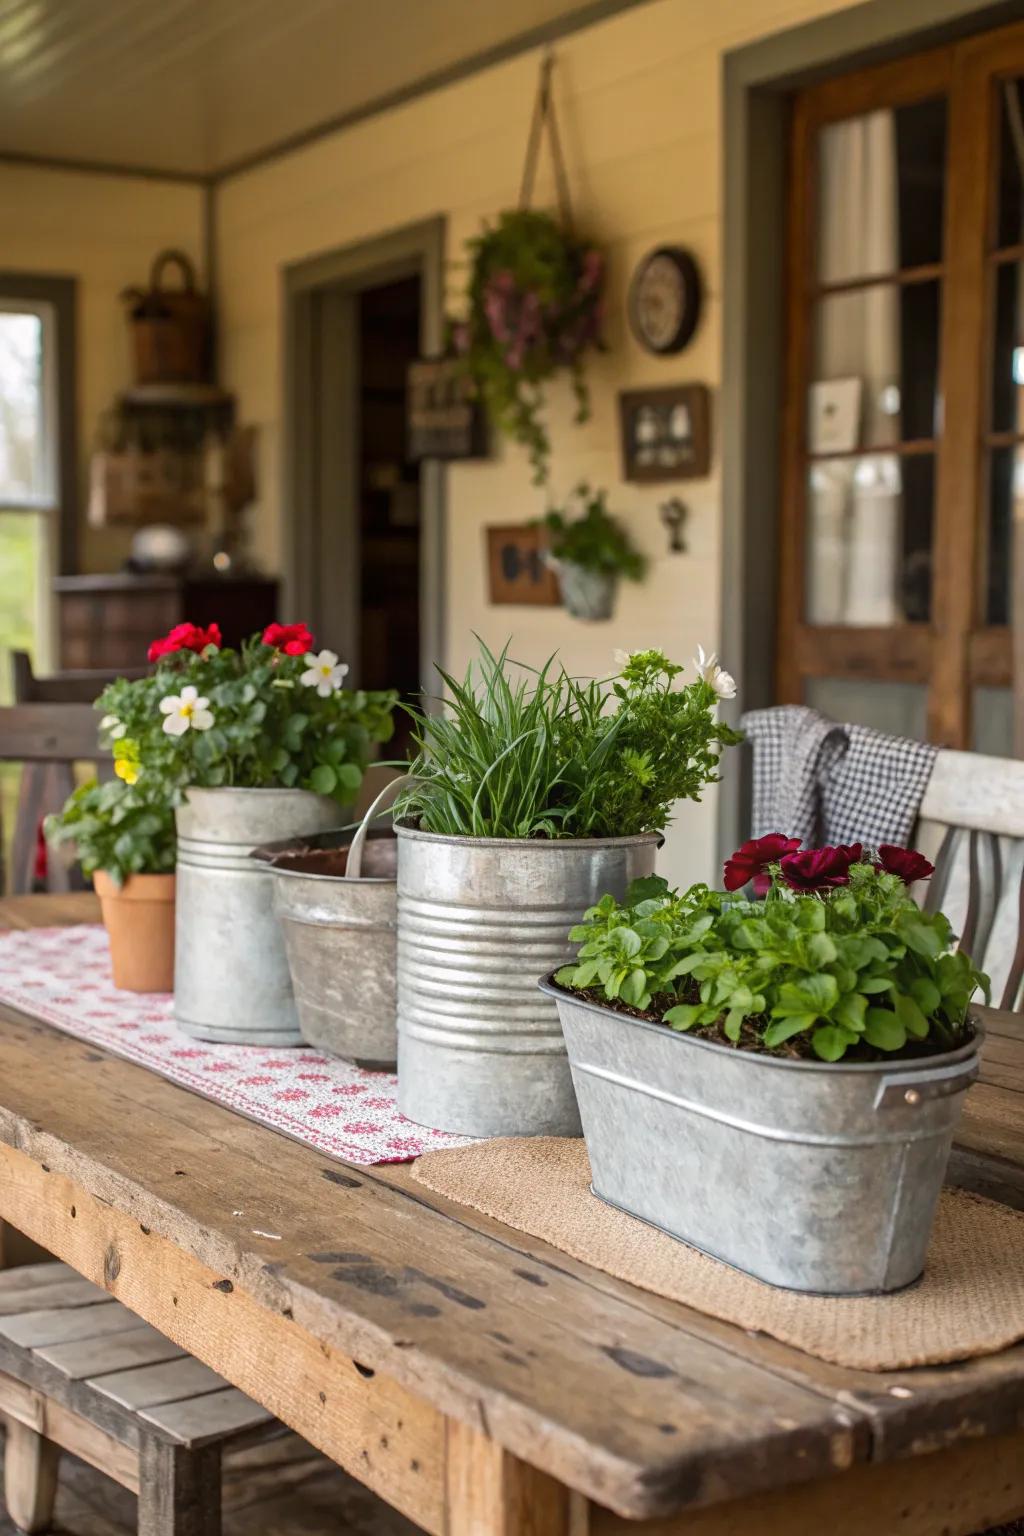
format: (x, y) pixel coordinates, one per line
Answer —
(479, 919)
(231, 980)
(586, 594)
(814, 1176)
(335, 896)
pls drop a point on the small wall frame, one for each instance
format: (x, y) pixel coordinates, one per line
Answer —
(516, 569)
(665, 433)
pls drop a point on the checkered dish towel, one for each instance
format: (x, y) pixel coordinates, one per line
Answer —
(829, 783)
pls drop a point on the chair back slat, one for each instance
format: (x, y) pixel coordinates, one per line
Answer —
(73, 687)
(972, 813)
(47, 740)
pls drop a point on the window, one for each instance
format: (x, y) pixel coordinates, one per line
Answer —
(904, 423)
(30, 473)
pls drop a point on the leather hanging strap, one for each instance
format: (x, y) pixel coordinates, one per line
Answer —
(544, 116)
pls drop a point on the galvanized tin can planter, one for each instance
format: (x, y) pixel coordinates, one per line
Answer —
(231, 980)
(814, 1176)
(479, 919)
(335, 897)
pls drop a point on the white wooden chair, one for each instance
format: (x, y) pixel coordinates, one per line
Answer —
(971, 824)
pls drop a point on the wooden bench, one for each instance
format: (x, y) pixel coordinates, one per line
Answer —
(79, 1372)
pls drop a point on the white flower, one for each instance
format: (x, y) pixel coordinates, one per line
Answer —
(185, 711)
(324, 673)
(721, 681)
(621, 658)
(114, 727)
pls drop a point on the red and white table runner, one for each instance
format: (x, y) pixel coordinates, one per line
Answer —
(62, 976)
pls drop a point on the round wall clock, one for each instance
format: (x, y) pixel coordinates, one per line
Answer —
(664, 299)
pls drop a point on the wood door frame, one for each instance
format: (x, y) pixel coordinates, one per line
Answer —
(321, 426)
(759, 81)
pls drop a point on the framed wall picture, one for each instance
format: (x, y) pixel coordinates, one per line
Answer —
(834, 425)
(666, 433)
(516, 569)
(444, 419)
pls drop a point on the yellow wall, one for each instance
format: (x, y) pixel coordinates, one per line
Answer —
(639, 99)
(104, 231)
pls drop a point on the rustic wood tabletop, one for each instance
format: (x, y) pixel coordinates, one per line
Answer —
(477, 1379)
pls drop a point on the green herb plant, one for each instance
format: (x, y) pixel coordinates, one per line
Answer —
(268, 728)
(120, 828)
(523, 753)
(857, 967)
(584, 534)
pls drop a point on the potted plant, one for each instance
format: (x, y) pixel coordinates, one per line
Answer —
(776, 1081)
(534, 793)
(589, 551)
(534, 308)
(124, 838)
(248, 745)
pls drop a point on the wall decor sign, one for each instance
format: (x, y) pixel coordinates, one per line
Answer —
(444, 418)
(834, 425)
(517, 571)
(665, 299)
(666, 433)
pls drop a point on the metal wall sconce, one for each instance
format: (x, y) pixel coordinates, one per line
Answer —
(673, 514)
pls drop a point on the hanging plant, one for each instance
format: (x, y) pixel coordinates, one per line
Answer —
(535, 307)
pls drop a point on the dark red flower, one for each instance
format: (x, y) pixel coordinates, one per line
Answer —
(292, 639)
(819, 869)
(185, 637)
(751, 861)
(905, 862)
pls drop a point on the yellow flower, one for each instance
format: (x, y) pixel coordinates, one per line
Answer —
(127, 770)
(126, 761)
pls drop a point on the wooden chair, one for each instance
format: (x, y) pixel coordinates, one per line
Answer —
(61, 687)
(79, 1372)
(971, 823)
(47, 739)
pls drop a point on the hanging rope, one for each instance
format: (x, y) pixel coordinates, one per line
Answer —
(544, 116)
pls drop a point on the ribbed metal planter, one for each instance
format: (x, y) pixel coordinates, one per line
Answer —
(479, 919)
(814, 1176)
(231, 980)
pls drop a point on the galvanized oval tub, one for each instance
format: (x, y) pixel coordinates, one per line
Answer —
(338, 916)
(231, 980)
(479, 919)
(815, 1176)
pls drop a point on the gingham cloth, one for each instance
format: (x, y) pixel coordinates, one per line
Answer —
(829, 783)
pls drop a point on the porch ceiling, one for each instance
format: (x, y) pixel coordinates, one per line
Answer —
(199, 86)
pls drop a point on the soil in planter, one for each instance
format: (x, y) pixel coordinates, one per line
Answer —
(796, 1048)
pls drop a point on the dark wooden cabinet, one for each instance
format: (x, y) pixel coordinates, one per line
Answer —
(107, 622)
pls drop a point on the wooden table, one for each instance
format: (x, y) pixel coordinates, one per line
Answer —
(480, 1381)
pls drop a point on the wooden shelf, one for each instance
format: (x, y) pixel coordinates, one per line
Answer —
(184, 397)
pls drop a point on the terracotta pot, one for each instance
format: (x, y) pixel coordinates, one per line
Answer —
(139, 918)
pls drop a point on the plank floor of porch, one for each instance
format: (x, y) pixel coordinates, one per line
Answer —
(283, 1488)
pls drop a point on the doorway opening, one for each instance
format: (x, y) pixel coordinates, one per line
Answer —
(389, 498)
(365, 542)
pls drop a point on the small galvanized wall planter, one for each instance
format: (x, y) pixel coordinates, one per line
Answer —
(231, 980)
(586, 594)
(479, 919)
(814, 1176)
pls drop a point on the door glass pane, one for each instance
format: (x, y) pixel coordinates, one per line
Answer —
(869, 530)
(23, 571)
(992, 709)
(24, 476)
(1008, 349)
(880, 191)
(1005, 503)
(1010, 192)
(899, 708)
(875, 367)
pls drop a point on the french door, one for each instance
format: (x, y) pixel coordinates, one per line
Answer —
(903, 452)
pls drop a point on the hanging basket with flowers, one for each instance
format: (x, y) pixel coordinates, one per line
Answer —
(534, 302)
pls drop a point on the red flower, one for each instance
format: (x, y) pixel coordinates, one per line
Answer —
(819, 869)
(292, 639)
(751, 861)
(185, 637)
(905, 862)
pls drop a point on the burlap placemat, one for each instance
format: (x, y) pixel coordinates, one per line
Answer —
(970, 1301)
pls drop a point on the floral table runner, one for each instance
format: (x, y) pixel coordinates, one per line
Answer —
(62, 976)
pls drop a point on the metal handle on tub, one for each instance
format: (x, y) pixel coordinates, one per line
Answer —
(354, 864)
(908, 1089)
